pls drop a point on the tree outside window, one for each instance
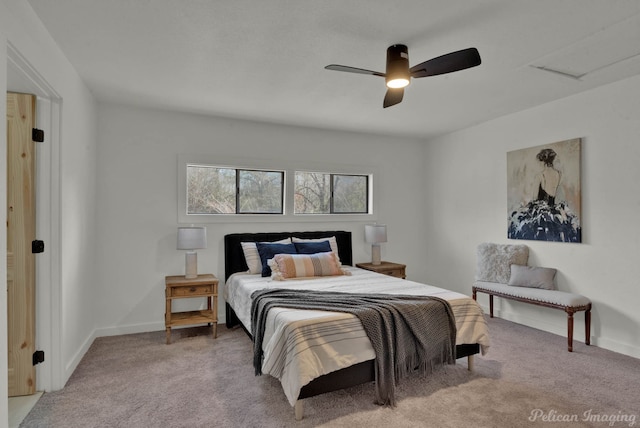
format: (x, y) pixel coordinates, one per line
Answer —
(219, 190)
(325, 193)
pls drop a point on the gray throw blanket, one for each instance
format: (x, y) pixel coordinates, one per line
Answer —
(407, 332)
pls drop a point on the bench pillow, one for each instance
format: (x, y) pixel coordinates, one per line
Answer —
(495, 260)
(289, 266)
(533, 277)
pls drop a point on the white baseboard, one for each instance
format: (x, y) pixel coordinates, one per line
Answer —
(130, 329)
(112, 331)
(615, 346)
(551, 327)
(70, 367)
(139, 328)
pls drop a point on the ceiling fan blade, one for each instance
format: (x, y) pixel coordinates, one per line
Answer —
(348, 69)
(393, 97)
(448, 63)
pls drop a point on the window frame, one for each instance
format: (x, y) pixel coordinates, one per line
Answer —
(237, 188)
(289, 167)
(283, 176)
(332, 176)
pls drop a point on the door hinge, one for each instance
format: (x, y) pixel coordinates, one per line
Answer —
(37, 246)
(38, 357)
(37, 135)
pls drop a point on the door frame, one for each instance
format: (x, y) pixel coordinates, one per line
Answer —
(49, 338)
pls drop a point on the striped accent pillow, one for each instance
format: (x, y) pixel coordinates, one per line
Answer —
(288, 266)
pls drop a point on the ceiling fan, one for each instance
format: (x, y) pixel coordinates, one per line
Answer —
(398, 73)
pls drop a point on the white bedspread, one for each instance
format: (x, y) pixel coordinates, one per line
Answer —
(301, 345)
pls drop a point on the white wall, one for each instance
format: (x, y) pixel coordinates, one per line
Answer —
(75, 192)
(137, 194)
(466, 194)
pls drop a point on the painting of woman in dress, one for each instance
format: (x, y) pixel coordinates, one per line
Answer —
(544, 192)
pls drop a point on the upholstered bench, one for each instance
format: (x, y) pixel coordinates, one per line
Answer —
(502, 271)
(568, 302)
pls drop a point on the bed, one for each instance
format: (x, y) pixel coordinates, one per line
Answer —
(346, 367)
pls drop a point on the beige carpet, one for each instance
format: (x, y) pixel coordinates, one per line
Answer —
(138, 381)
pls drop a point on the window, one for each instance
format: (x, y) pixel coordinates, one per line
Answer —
(324, 193)
(214, 189)
(224, 190)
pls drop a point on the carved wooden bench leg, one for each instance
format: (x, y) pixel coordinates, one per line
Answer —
(570, 328)
(474, 296)
(491, 305)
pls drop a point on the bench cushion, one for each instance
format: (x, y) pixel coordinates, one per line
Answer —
(561, 298)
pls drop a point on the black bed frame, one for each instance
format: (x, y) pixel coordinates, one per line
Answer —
(350, 376)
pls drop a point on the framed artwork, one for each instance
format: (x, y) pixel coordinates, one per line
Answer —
(543, 192)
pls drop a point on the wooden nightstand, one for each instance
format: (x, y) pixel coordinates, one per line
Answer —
(178, 287)
(386, 268)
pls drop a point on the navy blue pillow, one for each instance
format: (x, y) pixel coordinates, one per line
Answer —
(312, 247)
(268, 250)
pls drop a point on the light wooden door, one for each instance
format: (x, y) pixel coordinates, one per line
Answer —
(21, 113)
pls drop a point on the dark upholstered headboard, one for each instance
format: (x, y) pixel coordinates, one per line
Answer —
(234, 257)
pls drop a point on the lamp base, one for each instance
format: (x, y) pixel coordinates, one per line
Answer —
(191, 265)
(375, 254)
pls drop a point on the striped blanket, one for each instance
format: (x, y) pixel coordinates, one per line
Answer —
(408, 333)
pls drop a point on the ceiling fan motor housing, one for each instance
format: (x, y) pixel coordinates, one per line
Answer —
(397, 63)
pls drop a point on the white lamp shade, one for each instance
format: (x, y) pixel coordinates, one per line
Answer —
(375, 233)
(192, 238)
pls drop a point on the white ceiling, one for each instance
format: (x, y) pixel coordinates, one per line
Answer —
(264, 59)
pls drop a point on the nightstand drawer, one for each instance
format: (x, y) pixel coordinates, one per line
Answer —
(398, 273)
(396, 270)
(192, 290)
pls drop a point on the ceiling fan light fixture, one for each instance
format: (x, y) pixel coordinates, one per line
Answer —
(397, 73)
(399, 82)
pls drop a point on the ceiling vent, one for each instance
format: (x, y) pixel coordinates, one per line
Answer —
(608, 47)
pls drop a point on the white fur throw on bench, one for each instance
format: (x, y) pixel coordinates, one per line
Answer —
(502, 271)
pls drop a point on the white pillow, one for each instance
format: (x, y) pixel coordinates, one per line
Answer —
(252, 257)
(332, 243)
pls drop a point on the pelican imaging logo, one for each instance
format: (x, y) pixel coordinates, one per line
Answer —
(610, 419)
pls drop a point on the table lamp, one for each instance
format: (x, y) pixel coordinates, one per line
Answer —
(375, 234)
(191, 239)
